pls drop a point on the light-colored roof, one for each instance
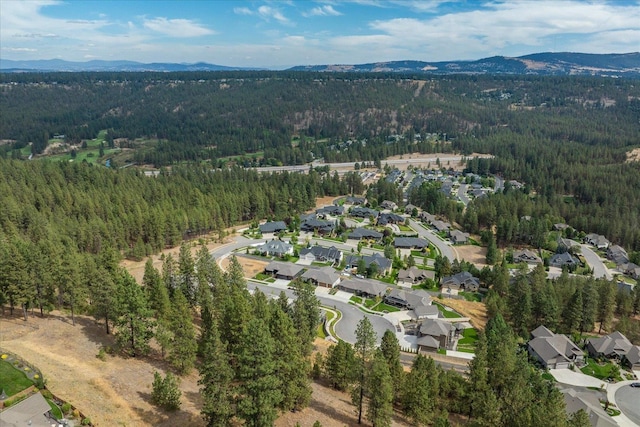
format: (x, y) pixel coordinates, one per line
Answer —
(322, 275)
(372, 287)
(589, 403)
(435, 327)
(555, 348)
(284, 268)
(413, 273)
(633, 355)
(541, 331)
(428, 341)
(276, 247)
(411, 298)
(426, 310)
(612, 344)
(28, 412)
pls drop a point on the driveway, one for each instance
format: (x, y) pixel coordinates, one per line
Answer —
(567, 376)
(462, 194)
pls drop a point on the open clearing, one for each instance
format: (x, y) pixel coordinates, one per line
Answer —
(475, 311)
(474, 254)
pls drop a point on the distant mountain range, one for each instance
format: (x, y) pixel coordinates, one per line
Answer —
(562, 63)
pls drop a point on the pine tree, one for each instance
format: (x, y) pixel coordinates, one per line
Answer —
(420, 391)
(305, 312)
(579, 419)
(380, 407)
(134, 325)
(364, 348)
(166, 391)
(390, 348)
(216, 379)
(259, 390)
(341, 365)
(157, 293)
(572, 315)
(183, 348)
(186, 271)
(606, 304)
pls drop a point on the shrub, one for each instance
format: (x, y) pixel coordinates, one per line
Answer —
(102, 355)
(166, 392)
(86, 422)
(46, 394)
(66, 408)
(76, 413)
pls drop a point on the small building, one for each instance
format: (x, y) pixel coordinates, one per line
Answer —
(527, 256)
(333, 210)
(314, 225)
(364, 233)
(553, 351)
(388, 204)
(283, 270)
(440, 226)
(359, 212)
(457, 237)
(326, 277)
(272, 227)
(383, 264)
(390, 218)
(564, 259)
(589, 403)
(276, 248)
(560, 226)
(630, 269)
(356, 200)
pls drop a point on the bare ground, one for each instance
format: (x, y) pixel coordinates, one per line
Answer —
(633, 155)
(475, 311)
(473, 254)
(250, 266)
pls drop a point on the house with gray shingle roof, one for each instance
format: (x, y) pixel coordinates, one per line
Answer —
(463, 281)
(414, 275)
(326, 277)
(314, 225)
(632, 358)
(384, 264)
(457, 237)
(553, 351)
(363, 212)
(29, 412)
(597, 240)
(440, 225)
(408, 299)
(617, 254)
(355, 200)
(434, 334)
(388, 204)
(589, 403)
(363, 287)
(276, 248)
(272, 227)
(283, 270)
(390, 218)
(612, 346)
(322, 254)
(364, 233)
(330, 210)
(526, 255)
(410, 243)
(564, 259)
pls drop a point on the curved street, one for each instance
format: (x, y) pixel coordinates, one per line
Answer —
(595, 262)
(444, 247)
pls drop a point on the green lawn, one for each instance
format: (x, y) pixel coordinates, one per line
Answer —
(449, 314)
(356, 299)
(404, 227)
(471, 296)
(385, 307)
(547, 376)
(601, 371)
(12, 380)
(262, 276)
(468, 341)
(55, 410)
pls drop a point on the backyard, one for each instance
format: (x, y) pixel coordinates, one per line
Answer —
(602, 371)
(468, 341)
(12, 380)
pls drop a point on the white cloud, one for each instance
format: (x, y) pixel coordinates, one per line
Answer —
(19, 49)
(326, 10)
(267, 13)
(242, 11)
(176, 27)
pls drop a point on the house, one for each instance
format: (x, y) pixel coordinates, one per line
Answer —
(565, 244)
(426, 312)
(276, 248)
(330, 210)
(446, 188)
(326, 277)
(617, 254)
(390, 218)
(388, 204)
(564, 259)
(408, 300)
(283, 270)
(553, 351)
(597, 240)
(463, 281)
(409, 209)
(410, 243)
(356, 200)
(612, 346)
(457, 237)
(364, 233)
(414, 275)
(527, 256)
(313, 225)
(272, 227)
(427, 217)
(363, 287)
(322, 254)
(630, 269)
(560, 226)
(632, 358)
(589, 403)
(32, 411)
(515, 184)
(364, 213)
(440, 226)
(384, 264)
(434, 334)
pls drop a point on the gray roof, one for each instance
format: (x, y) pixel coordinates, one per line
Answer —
(441, 225)
(614, 344)
(526, 255)
(617, 254)
(633, 355)
(331, 210)
(364, 233)
(565, 258)
(411, 299)
(372, 287)
(364, 212)
(589, 403)
(541, 331)
(458, 236)
(389, 218)
(414, 273)
(322, 275)
(311, 224)
(356, 200)
(272, 227)
(28, 412)
(382, 262)
(435, 327)
(410, 242)
(555, 348)
(284, 268)
(428, 341)
(426, 310)
(277, 247)
(464, 278)
(321, 252)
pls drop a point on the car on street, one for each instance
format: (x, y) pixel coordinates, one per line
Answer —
(635, 385)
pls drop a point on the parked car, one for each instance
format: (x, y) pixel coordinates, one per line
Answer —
(635, 385)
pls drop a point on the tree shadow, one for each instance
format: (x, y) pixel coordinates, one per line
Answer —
(331, 412)
(194, 397)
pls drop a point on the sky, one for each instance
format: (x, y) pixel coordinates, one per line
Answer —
(279, 34)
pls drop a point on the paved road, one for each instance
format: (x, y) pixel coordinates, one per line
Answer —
(462, 194)
(628, 401)
(499, 184)
(595, 262)
(445, 249)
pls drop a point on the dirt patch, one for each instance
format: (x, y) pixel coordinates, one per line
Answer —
(475, 311)
(250, 266)
(423, 160)
(633, 155)
(474, 254)
(325, 201)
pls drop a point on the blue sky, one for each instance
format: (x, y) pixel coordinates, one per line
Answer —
(279, 34)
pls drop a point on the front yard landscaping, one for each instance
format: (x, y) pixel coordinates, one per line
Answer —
(12, 379)
(447, 312)
(468, 341)
(602, 371)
